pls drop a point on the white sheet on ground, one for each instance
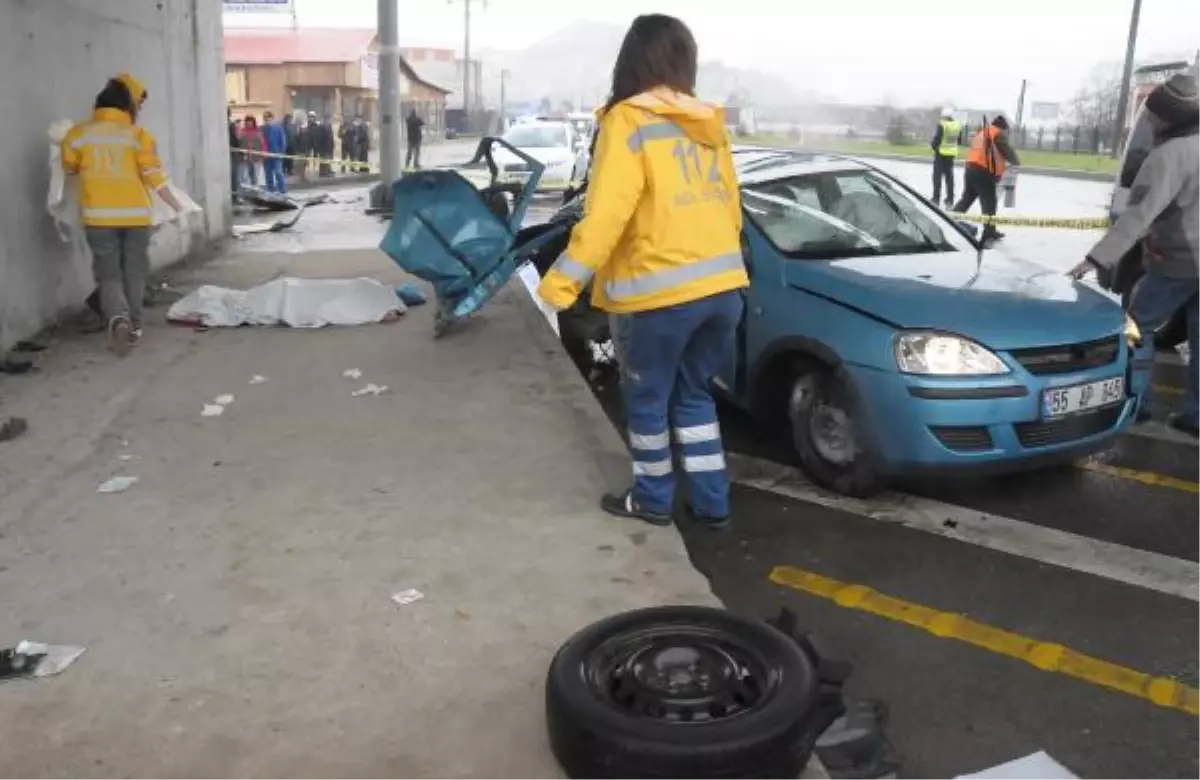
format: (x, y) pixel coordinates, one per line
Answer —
(297, 303)
(1038, 766)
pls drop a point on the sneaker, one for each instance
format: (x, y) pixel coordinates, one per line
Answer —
(622, 505)
(120, 335)
(1182, 424)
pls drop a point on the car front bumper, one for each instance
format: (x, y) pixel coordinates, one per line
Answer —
(918, 424)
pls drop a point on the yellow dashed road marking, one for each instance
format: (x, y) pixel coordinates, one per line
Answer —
(1047, 656)
(1145, 477)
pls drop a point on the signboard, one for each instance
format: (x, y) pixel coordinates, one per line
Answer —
(1043, 112)
(257, 6)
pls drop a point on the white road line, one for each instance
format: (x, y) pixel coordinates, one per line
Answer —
(1149, 570)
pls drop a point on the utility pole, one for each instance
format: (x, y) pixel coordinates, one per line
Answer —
(1126, 77)
(467, 57)
(388, 33)
(1021, 104)
(503, 93)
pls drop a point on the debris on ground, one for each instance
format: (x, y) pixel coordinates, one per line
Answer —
(352, 373)
(854, 745)
(290, 301)
(410, 294)
(36, 659)
(28, 346)
(10, 366)
(257, 379)
(370, 389)
(223, 400)
(407, 596)
(212, 410)
(12, 428)
(1039, 766)
(117, 485)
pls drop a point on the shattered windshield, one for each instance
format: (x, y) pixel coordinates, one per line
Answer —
(842, 214)
(537, 136)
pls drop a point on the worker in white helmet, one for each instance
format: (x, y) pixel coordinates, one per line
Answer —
(945, 152)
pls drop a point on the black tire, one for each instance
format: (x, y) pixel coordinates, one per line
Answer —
(820, 397)
(605, 719)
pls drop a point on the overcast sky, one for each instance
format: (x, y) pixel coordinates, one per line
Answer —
(917, 51)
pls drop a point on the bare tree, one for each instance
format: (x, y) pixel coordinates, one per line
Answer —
(1095, 103)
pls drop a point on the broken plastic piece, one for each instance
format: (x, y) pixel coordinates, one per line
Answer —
(223, 400)
(50, 659)
(212, 410)
(352, 373)
(117, 485)
(370, 389)
(257, 379)
(407, 596)
(1039, 765)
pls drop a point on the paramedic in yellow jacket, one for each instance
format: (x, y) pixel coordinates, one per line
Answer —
(118, 167)
(660, 245)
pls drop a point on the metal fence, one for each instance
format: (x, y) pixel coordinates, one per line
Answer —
(1070, 139)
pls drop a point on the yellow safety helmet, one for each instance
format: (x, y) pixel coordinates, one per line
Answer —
(136, 88)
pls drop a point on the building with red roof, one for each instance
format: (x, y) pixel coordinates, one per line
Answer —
(333, 72)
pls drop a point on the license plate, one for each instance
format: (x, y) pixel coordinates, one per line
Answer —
(1060, 401)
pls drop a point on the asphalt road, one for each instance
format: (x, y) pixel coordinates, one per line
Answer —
(1082, 535)
(1060, 556)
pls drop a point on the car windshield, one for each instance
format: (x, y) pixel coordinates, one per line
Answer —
(537, 136)
(842, 214)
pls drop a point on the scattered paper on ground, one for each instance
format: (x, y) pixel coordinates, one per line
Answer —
(352, 373)
(407, 596)
(117, 485)
(297, 303)
(223, 400)
(56, 657)
(212, 410)
(257, 379)
(1038, 766)
(370, 389)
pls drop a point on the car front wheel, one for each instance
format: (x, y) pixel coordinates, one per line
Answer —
(822, 413)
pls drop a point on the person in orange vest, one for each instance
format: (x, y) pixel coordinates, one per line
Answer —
(989, 157)
(118, 166)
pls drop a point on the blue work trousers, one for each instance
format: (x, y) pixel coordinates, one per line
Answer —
(668, 359)
(1155, 300)
(276, 181)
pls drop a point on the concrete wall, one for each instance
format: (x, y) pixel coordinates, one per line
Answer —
(55, 55)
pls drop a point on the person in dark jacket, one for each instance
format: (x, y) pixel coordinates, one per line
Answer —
(945, 141)
(363, 130)
(1163, 215)
(235, 155)
(325, 148)
(989, 157)
(309, 143)
(412, 133)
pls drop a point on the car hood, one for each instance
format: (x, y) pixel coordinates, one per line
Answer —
(1002, 301)
(545, 155)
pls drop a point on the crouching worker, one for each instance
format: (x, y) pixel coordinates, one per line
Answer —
(660, 244)
(118, 165)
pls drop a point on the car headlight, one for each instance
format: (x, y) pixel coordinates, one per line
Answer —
(939, 354)
(1133, 334)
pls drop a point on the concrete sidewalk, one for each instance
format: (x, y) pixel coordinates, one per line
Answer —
(235, 602)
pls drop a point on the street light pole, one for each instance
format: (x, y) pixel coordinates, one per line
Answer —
(388, 33)
(1126, 77)
(503, 95)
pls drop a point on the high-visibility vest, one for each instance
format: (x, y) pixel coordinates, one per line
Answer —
(949, 145)
(984, 153)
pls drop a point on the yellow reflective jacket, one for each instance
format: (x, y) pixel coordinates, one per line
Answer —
(118, 165)
(663, 218)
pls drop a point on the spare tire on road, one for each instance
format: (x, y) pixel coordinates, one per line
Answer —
(684, 692)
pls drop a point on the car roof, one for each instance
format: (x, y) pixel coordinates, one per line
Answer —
(756, 164)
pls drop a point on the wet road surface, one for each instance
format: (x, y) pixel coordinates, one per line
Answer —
(1090, 561)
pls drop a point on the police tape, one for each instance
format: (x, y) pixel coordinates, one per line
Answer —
(358, 166)
(1069, 223)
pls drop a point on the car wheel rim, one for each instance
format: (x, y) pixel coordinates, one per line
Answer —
(680, 674)
(832, 434)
